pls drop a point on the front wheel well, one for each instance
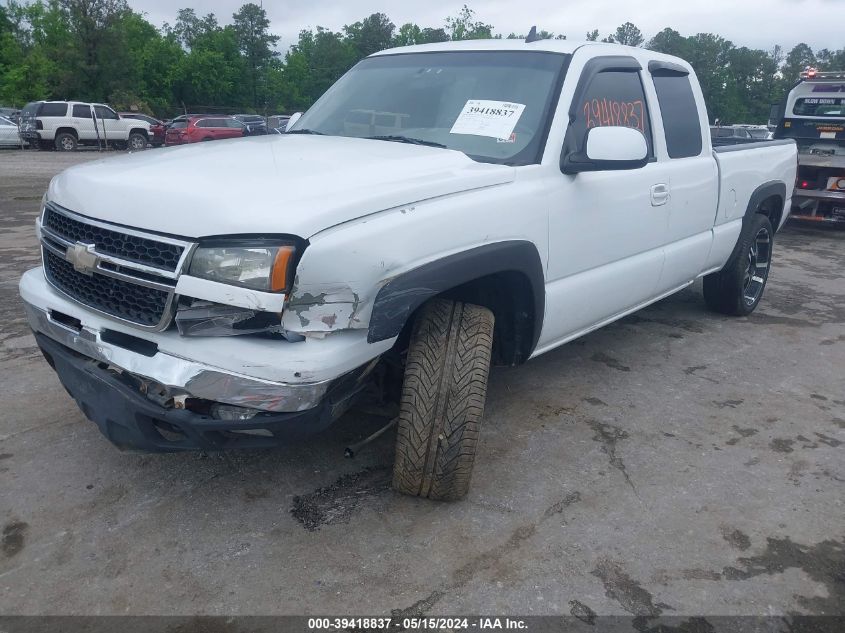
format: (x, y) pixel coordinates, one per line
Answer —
(138, 130)
(510, 297)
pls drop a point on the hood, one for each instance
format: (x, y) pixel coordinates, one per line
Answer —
(296, 184)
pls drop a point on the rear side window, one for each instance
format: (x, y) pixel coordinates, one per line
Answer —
(681, 120)
(614, 98)
(82, 111)
(53, 109)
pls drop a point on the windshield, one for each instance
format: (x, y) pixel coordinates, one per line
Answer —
(492, 105)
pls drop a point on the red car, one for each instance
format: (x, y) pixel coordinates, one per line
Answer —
(203, 128)
(157, 128)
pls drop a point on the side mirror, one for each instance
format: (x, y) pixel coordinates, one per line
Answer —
(608, 148)
(292, 120)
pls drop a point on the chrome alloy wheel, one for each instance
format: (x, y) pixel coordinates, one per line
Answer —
(757, 269)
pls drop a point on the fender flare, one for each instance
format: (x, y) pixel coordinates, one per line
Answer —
(399, 297)
(773, 188)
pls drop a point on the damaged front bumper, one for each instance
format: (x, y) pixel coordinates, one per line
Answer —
(143, 392)
(130, 420)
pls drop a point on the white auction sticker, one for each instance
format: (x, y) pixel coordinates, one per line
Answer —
(481, 117)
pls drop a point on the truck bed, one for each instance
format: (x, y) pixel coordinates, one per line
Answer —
(744, 166)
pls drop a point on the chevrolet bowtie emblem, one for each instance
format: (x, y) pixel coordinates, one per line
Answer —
(83, 257)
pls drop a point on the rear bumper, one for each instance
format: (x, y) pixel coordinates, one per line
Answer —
(818, 206)
(132, 421)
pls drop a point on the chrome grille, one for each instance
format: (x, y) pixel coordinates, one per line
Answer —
(121, 299)
(124, 273)
(134, 248)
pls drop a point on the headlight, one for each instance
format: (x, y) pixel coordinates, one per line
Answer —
(266, 268)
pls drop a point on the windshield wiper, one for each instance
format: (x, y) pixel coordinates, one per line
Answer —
(306, 131)
(406, 139)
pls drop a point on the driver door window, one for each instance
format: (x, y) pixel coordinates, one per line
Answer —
(614, 98)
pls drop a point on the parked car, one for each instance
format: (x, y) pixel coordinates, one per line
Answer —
(814, 115)
(67, 124)
(193, 129)
(730, 132)
(9, 136)
(157, 129)
(10, 113)
(533, 193)
(758, 132)
(278, 122)
(256, 123)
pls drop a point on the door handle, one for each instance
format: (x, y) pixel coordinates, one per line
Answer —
(659, 195)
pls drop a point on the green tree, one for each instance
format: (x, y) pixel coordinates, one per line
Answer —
(97, 43)
(464, 26)
(670, 42)
(432, 35)
(256, 43)
(374, 33)
(189, 27)
(799, 58)
(592, 36)
(408, 35)
(628, 34)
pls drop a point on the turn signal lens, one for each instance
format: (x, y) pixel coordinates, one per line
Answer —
(281, 265)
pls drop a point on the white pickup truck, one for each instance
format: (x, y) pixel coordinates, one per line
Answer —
(444, 207)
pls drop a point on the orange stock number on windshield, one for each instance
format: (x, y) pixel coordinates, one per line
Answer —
(602, 112)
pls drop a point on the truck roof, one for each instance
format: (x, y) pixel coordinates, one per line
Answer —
(548, 45)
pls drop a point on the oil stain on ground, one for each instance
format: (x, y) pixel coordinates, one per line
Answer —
(620, 587)
(488, 559)
(823, 562)
(337, 502)
(736, 538)
(613, 363)
(14, 536)
(582, 612)
(742, 433)
(609, 435)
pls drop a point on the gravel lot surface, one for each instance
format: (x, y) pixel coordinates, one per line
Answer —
(675, 463)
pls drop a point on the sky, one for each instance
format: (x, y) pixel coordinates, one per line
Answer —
(752, 23)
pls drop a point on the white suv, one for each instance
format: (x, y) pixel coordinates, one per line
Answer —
(68, 124)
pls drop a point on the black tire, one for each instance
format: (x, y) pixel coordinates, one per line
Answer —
(66, 142)
(443, 400)
(137, 142)
(737, 288)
